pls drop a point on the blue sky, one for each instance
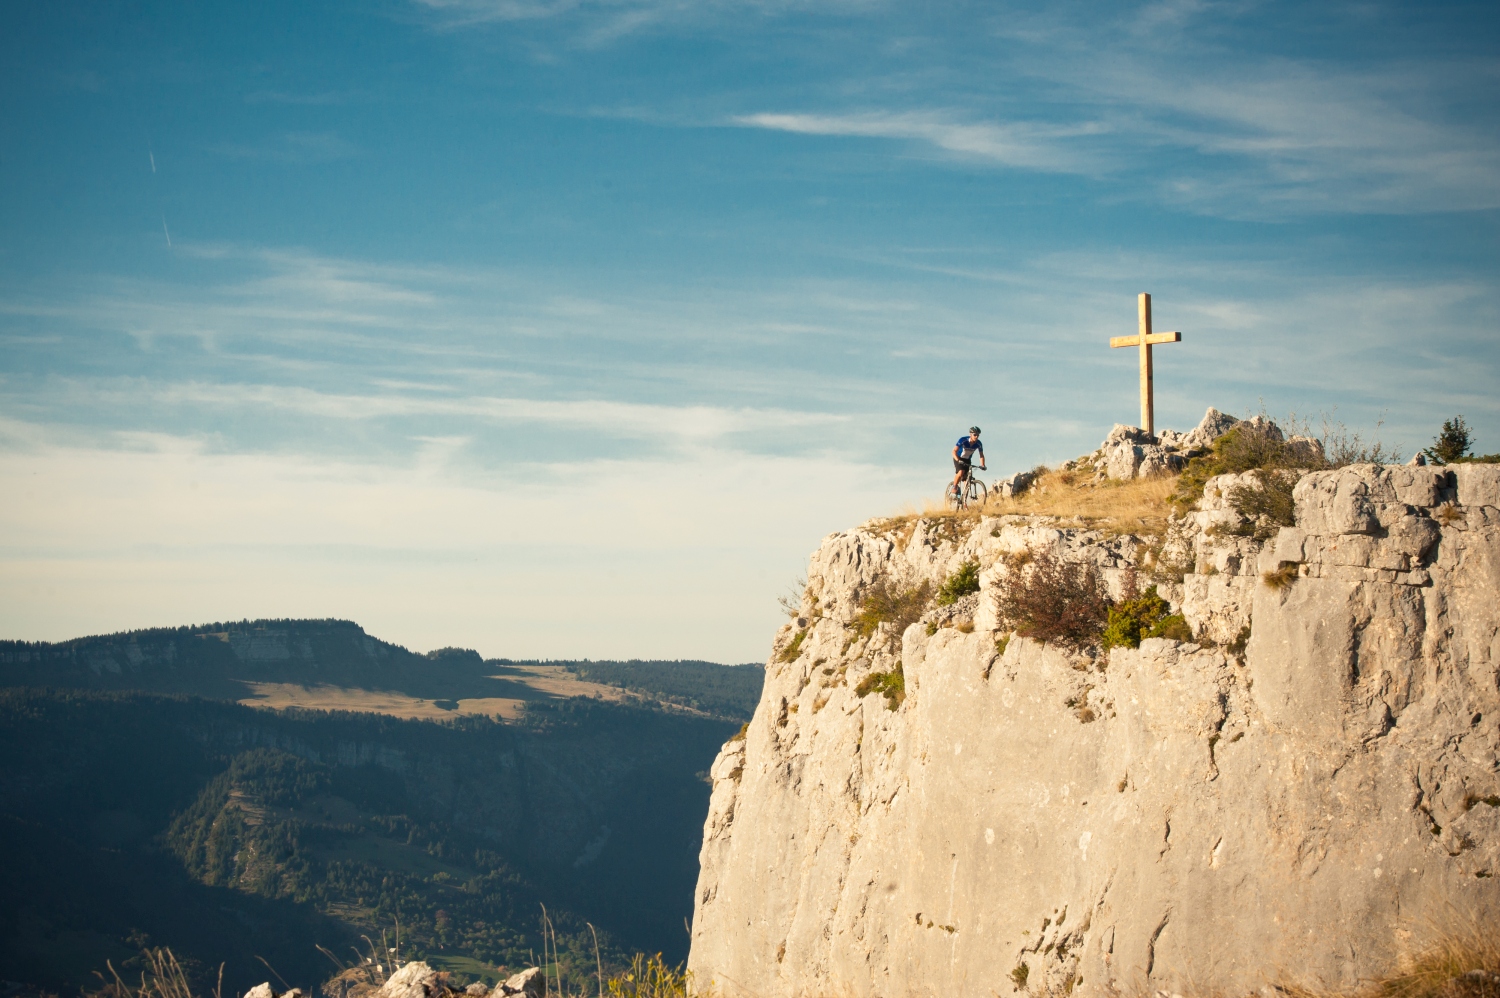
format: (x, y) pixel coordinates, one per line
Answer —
(569, 328)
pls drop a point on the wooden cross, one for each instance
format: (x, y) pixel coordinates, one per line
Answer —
(1145, 339)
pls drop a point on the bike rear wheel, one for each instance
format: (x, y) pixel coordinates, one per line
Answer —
(954, 497)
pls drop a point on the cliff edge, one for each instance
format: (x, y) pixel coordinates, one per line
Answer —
(1304, 794)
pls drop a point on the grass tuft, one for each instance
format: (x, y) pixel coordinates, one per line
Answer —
(649, 977)
(1281, 577)
(891, 685)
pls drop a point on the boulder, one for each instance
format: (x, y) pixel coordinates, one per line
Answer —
(1006, 488)
(1131, 452)
(1211, 427)
(415, 980)
(529, 982)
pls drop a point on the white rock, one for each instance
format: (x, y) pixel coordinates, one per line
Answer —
(529, 982)
(1029, 807)
(414, 980)
(262, 990)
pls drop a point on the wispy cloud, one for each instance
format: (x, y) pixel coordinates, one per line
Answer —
(292, 147)
(1036, 146)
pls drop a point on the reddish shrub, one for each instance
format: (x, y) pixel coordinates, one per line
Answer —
(1051, 599)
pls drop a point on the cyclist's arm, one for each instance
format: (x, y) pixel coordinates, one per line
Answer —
(955, 453)
(983, 465)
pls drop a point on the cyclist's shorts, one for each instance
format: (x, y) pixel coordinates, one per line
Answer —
(959, 464)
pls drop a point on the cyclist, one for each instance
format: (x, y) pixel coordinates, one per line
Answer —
(963, 453)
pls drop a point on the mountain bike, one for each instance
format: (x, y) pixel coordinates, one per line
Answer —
(969, 491)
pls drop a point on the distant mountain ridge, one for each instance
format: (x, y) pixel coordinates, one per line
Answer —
(216, 660)
(221, 661)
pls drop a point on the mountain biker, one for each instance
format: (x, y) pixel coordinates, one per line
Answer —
(963, 453)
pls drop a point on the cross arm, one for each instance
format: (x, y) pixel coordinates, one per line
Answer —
(1154, 338)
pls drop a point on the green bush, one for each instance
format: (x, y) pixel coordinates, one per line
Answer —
(884, 603)
(791, 651)
(1174, 626)
(1243, 448)
(960, 583)
(891, 685)
(1144, 616)
(1267, 504)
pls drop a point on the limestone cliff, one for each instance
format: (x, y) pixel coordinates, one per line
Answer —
(1307, 806)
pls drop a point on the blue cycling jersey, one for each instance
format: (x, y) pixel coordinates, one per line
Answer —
(967, 448)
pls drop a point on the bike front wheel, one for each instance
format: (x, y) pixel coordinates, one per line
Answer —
(976, 493)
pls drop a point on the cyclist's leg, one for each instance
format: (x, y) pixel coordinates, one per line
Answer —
(960, 472)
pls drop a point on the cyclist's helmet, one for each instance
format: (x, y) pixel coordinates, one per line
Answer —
(974, 430)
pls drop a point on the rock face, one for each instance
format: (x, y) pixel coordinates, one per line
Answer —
(1304, 802)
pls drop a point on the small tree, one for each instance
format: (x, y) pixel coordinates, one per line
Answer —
(1452, 444)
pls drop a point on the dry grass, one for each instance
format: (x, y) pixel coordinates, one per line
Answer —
(1464, 964)
(1281, 577)
(1136, 507)
(162, 977)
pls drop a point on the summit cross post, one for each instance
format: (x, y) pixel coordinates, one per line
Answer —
(1145, 339)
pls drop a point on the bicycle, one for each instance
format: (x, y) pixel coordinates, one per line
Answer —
(969, 491)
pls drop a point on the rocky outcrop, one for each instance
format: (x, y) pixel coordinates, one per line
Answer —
(1302, 796)
(1130, 452)
(416, 980)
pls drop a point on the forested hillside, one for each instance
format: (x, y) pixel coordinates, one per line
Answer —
(714, 689)
(228, 832)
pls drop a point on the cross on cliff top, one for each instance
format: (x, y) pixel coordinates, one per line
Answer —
(1145, 339)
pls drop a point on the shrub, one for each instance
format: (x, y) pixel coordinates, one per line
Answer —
(791, 651)
(1452, 442)
(1133, 619)
(1341, 447)
(1268, 504)
(960, 583)
(1173, 626)
(1054, 600)
(1245, 447)
(891, 685)
(884, 603)
(1020, 974)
